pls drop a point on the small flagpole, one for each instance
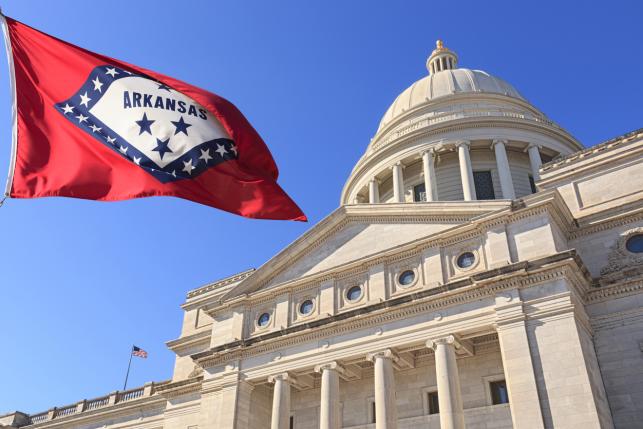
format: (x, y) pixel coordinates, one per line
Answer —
(128, 367)
(14, 107)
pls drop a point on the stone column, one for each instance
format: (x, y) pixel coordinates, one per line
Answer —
(385, 404)
(329, 411)
(448, 380)
(398, 182)
(281, 401)
(504, 171)
(534, 160)
(428, 165)
(466, 173)
(374, 191)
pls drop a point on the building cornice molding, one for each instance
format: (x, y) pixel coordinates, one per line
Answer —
(588, 156)
(199, 338)
(479, 286)
(181, 387)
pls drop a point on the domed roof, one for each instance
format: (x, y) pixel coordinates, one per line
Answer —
(445, 79)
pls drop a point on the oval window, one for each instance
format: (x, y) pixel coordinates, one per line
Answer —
(306, 307)
(263, 320)
(406, 278)
(466, 260)
(634, 244)
(354, 293)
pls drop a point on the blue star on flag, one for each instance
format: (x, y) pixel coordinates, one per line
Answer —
(181, 126)
(162, 147)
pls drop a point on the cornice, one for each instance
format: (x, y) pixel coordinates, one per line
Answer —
(190, 340)
(479, 286)
(593, 151)
(181, 387)
(631, 286)
(220, 283)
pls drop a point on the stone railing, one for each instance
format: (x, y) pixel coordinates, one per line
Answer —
(86, 405)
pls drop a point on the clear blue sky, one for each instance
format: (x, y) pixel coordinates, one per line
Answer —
(81, 281)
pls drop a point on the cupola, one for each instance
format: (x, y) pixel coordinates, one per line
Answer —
(441, 59)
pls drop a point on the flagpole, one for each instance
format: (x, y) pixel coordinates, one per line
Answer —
(128, 367)
(14, 107)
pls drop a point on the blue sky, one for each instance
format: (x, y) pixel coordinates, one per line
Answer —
(82, 281)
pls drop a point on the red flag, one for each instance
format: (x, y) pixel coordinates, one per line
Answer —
(93, 127)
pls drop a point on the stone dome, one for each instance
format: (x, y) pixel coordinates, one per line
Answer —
(452, 131)
(446, 83)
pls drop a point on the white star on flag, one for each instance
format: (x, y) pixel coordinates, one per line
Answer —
(111, 71)
(205, 155)
(94, 128)
(84, 99)
(67, 108)
(188, 167)
(81, 118)
(221, 150)
(137, 161)
(123, 149)
(233, 148)
(97, 84)
(111, 140)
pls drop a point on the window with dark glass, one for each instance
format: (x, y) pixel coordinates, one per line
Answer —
(292, 422)
(634, 244)
(532, 184)
(484, 185)
(373, 415)
(432, 400)
(499, 394)
(419, 192)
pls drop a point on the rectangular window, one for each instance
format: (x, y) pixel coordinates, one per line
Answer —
(499, 394)
(373, 415)
(292, 422)
(532, 184)
(484, 185)
(433, 404)
(419, 192)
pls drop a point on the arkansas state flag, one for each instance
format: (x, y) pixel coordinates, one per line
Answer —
(93, 127)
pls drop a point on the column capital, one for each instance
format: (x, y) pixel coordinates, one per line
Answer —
(459, 143)
(398, 164)
(498, 141)
(284, 376)
(446, 340)
(330, 366)
(428, 151)
(375, 180)
(532, 145)
(382, 354)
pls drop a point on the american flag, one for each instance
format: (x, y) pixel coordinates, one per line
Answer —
(139, 352)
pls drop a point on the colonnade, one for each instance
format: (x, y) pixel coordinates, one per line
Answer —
(462, 147)
(448, 384)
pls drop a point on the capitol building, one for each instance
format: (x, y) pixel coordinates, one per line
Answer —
(483, 270)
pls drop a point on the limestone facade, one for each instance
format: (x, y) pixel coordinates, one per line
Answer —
(440, 310)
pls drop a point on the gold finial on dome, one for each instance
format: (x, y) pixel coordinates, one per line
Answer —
(441, 58)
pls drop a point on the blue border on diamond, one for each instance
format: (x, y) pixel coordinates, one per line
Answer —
(172, 171)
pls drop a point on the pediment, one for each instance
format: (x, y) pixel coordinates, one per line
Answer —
(355, 232)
